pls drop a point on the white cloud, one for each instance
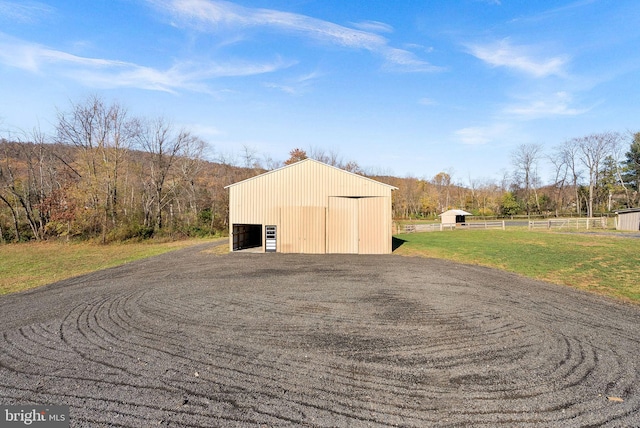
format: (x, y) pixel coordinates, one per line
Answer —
(26, 12)
(373, 26)
(557, 104)
(215, 16)
(522, 58)
(105, 73)
(479, 135)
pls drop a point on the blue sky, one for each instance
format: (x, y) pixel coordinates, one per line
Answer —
(407, 87)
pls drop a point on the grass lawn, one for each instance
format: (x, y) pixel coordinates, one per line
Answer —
(29, 265)
(608, 265)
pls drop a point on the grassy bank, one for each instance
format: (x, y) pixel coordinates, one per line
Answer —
(609, 265)
(24, 266)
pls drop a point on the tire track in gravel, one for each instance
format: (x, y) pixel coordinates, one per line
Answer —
(191, 339)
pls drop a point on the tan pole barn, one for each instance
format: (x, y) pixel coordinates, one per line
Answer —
(310, 207)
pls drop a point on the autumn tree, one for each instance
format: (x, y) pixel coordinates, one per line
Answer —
(103, 133)
(442, 182)
(296, 155)
(29, 173)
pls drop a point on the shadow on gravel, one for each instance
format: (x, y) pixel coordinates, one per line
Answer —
(397, 243)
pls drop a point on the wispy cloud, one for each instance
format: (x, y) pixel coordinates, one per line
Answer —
(479, 135)
(522, 58)
(295, 86)
(373, 26)
(571, 7)
(216, 16)
(27, 12)
(106, 73)
(557, 104)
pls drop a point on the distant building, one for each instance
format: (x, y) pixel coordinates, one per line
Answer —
(628, 219)
(454, 217)
(310, 207)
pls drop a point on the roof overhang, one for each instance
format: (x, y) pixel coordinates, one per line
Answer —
(628, 210)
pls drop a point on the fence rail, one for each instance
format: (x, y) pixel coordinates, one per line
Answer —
(556, 223)
(439, 227)
(569, 223)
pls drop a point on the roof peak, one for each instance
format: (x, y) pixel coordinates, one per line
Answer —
(298, 163)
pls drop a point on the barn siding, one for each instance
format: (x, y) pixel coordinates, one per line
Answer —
(297, 199)
(342, 226)
(629, 221)
(371, 213)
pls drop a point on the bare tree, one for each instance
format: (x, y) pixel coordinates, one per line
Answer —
(190, 165)
(592, 151)
(165, 145)
(525, 161)
(569, 152)
(330, 158)
(250, 157)
(560, 171)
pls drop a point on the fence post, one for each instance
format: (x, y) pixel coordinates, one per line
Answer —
(503, 225)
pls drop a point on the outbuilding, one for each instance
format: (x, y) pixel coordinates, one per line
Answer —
(310, 207)
(628, 219)
(453, 217)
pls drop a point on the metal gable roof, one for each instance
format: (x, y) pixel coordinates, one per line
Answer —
(293, 165)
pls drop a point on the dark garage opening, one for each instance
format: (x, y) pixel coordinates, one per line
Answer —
(247, 236)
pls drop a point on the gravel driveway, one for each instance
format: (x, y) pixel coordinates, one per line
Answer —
(194, 339)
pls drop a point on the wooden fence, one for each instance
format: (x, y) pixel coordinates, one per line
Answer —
(556, 223)
(569, 223)
(439, 227)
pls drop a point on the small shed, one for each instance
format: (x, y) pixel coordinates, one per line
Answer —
(454, 217)
(310, 207)
(628, 219)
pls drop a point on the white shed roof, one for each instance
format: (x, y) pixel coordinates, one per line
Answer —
(455, 212)
(628, 210)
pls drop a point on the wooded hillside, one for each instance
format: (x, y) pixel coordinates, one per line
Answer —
(108, 176)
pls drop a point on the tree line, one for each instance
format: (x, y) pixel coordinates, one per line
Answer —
(590, 175)
(107, 175)
(110, 176)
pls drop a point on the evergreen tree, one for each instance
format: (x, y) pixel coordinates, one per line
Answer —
(632, 167)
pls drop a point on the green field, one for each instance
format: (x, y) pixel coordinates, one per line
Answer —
(29, 265)
(609, 265)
